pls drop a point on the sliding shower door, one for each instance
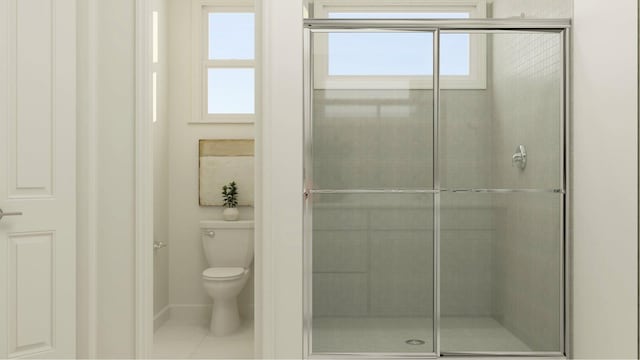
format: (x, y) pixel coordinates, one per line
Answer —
(502, 191)
(435, 188)
(370, 149)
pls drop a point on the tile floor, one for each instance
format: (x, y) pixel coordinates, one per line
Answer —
(343, 334)
(461, 334)
(179, 341)
(478, 334)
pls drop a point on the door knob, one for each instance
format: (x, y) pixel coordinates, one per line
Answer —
(3, 214)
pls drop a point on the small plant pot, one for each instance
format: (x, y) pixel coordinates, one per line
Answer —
(230, 214)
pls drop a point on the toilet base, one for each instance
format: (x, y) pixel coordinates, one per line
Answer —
(225, 317)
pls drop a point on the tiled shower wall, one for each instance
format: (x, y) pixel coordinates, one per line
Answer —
(526, 81)
(467, 224)
(541, 9)
(373, 255)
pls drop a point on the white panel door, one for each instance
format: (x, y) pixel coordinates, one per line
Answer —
(37, 178)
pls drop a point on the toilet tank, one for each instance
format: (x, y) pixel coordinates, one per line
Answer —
(227, 243)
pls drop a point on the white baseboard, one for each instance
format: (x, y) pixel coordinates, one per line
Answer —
(161, 317)
(200, 314)
(190, 314)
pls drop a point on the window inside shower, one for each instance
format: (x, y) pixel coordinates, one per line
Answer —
(379, 60)
(434, 216)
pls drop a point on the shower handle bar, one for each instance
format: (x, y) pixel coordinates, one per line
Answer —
(508, 191)
(371, 191)
(308, 193)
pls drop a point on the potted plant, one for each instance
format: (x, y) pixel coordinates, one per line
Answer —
(230, 198)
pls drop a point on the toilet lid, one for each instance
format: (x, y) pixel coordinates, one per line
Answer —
(223, 272)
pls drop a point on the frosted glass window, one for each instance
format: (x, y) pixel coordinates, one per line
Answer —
(231, 91)
(397, 54)
(231, 36)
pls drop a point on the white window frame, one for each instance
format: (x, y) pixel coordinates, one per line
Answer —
(477, 79)
(201, 62)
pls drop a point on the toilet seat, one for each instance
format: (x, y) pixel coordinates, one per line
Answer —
(223, 273)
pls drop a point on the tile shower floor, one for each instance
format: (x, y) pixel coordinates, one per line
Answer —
(343, 334)
(179, 341)
(478, 334)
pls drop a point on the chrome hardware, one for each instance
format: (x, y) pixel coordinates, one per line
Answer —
(426, 191)
(211, 233)
(307, 194)
(3, 214)
(519, 159)
(157, 245)
(415, 342)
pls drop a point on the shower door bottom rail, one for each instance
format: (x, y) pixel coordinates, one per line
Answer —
(530, 354)
(444, 354)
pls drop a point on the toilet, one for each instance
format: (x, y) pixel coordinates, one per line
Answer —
(228, 247)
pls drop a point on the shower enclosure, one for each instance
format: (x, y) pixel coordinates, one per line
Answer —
(435, 187)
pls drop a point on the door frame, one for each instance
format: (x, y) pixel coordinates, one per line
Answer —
(144, 194)
(87, 164)
(143, 182)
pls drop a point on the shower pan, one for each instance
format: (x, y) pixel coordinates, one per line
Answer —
(426, 234)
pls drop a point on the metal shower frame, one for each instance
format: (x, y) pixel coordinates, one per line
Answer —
(484, 26)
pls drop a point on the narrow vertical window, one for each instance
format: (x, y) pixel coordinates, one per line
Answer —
(229, 63)
(155, 38)
(155, 57)
(155, 96)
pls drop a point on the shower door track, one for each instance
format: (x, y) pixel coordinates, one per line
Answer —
(484, 26)
(557, 25)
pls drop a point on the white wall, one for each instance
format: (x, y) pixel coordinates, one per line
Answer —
(605, 179)
(106, 183)
(84, 113)
(187, 259)
(115, 128)
(282, 179)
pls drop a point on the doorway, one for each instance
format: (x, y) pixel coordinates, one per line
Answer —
(178, 205)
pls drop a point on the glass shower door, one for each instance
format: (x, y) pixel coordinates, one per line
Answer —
(435, 219)
(370, 217)
(502, 178)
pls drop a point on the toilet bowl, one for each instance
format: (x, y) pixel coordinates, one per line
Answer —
(224, 285)
(228, 248)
